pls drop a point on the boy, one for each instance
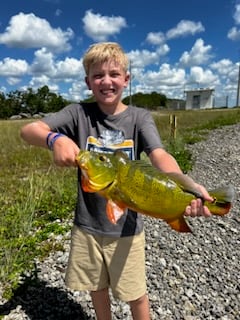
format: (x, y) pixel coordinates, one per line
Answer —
(103, 255)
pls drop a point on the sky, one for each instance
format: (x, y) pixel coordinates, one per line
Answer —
(173, 46)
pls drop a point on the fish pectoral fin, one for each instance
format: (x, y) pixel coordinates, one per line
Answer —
(85, 184)
(114, 211)
(179, 225)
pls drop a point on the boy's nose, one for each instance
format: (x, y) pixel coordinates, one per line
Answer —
(106, 79)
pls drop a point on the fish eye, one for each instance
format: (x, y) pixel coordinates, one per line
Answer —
(102, 158)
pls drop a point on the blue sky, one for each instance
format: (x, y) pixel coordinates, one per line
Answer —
(173, 45)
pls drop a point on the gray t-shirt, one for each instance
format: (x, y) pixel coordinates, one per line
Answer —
(132, 130)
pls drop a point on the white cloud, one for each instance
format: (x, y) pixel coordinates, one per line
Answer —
(185, 28)
(155, 38)
(3, 90)
(236, 15)
(163, 50)
(234, 34)
(40, 81)
(30, 31)
(13, 81)
(79, 91)
(70, 68)
(227, 70)
(223, 67)
(100, 28)
(199, 54)
(166, 76)
(43, 62)
(204, 78)
(63, 70)
(142, 58)
(166, 80)
(13, 68)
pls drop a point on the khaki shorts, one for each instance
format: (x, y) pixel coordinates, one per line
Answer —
(97, 262)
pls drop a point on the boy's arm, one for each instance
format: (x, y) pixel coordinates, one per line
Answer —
(35, 133)
(166, 163)
(65, 150)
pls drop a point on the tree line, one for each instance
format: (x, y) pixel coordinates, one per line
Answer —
(43, 101)
(30, 102)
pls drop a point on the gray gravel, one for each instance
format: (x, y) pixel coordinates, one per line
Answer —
(190, 276)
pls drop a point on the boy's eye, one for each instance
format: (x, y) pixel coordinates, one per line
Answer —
(114, 74)
(97, 76)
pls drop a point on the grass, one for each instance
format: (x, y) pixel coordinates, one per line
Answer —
(192, 127)
(36, 196)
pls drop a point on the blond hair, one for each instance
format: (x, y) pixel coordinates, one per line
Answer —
(103, 52)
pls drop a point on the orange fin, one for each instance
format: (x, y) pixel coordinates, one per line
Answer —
(179, 225)
(114, 211)
(85, 184)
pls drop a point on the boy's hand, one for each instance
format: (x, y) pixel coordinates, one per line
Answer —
(196, 207)
(65, 151)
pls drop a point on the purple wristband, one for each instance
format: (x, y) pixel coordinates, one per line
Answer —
(51, 142)
(47, 139)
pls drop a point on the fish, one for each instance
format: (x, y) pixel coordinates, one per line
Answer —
(139, 186)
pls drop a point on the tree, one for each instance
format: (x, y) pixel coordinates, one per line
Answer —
(151, 100)
(3, 109)
(14, 102)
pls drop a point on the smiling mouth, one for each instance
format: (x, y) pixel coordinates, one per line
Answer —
(106, 92)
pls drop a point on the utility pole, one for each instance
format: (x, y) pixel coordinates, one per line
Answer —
(130, 83)
(238, 87)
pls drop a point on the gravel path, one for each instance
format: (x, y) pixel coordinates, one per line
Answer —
(190, 276)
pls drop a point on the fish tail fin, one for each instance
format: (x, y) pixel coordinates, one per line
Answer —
(179, 225)
(222, 202)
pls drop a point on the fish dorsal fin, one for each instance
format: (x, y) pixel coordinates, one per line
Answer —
(179, 225)
(114, 211)
(185, 183)
(121, 155)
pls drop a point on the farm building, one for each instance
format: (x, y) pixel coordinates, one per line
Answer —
(199, 99)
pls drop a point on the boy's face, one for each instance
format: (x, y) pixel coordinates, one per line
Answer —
(107, 81)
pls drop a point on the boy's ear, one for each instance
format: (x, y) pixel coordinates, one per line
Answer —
(127, 78)
(87, 83)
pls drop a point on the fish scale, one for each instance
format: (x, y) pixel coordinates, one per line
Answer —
(163, 192)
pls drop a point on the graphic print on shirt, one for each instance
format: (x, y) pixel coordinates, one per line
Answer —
(110, 141)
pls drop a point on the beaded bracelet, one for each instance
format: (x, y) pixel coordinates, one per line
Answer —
(51, 142)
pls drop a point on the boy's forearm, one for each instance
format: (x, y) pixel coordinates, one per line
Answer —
(35, 133)
(164, 161)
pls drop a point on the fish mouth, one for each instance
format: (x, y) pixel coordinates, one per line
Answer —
(82, 160)
(91, 185)
(83, 167)
(92, 181)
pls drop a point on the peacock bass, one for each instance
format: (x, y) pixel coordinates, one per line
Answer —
(141, 187)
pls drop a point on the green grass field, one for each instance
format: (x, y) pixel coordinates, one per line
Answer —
(35, 195)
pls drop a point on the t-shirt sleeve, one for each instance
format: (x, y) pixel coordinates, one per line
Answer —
(148, 132)
(63, 121)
